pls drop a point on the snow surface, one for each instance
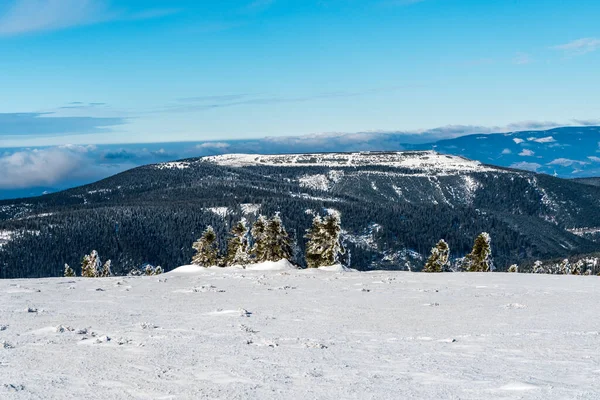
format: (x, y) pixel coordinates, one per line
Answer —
(281, 265)
(240, 334)
(416, 160)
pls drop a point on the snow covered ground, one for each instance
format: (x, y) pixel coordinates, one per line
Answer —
(239, 334)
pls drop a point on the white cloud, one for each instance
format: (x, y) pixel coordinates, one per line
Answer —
(594, 159)
(24, 16)
(580, 46)
(506, 151)
(212, 145)
(526, 153)
(565, 162)
(526, 166)
(547, 139)
(37, 167)
(518, 141)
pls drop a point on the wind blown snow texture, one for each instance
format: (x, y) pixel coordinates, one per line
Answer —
(238, 334)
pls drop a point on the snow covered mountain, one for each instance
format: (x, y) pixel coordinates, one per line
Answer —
(566, 152)
(395, 206)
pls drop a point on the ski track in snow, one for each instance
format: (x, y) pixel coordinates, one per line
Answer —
(296, 334)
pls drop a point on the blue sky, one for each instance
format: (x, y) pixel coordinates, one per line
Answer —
(118, 71)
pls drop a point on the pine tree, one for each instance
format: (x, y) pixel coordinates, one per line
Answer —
(576, 270)
(315, 244)
(69, 272)
(513, 268)
(324, 242)
(106, 271)
(332, 226)
(259, 228)
(564, 268)
(207, 251)
(438, 260)
(278, 244)
(90, 265)
(237, 245)
(538, 267)
(480, 258)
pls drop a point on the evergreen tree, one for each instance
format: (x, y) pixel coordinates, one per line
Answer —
(538, 267)
(513, 268)
(237, 245)
(324, 245)
(90, 266)
(106, 271)
(480, 258)
(564, 268)
(278, 244)
(332, 226)
(69, 272)
(315, 244)
(259, 228)
(207, 251)
(576, 270)
(438, 260)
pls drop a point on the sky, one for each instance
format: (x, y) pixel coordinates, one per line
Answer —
(89, 88)
(132, 71)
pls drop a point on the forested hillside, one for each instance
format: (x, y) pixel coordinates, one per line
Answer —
(394, 207)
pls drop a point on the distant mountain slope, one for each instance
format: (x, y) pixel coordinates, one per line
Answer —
(566, 152)
(589, 181)
(569, 152)
(394, 207)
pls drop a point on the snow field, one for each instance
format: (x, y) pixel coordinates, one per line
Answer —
(241, 334)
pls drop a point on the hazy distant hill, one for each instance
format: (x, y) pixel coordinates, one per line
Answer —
(394, 207)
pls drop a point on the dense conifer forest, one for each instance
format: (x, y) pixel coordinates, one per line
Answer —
(391, 215)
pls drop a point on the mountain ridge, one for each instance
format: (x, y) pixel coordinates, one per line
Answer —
(391, 214)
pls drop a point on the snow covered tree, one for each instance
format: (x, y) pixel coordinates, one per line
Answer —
(237, 245)
(207, 251)
(480, 258)
(258, 251)
(538, 267)
(150, 270)
(324, 245)
(564, 268)
(577, 268)
(69, 272)
(106, 271)
(513, 268)
(278, 244)
(438, 260)
(90, 265)
(315, 244)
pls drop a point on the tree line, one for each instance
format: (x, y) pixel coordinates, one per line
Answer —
(268, 240)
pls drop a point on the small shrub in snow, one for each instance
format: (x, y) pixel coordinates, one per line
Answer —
(513, 268)
(69, 272)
